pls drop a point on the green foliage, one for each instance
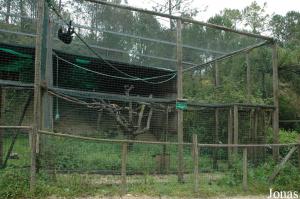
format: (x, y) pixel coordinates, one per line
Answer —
(285, 136)
(287, 179)
(288, 136)
(13, 184)
(255, 17)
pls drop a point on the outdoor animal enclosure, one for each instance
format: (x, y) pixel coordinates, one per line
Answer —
(135, 92)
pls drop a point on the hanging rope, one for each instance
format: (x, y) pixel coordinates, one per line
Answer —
(57, 112)
(118, 77)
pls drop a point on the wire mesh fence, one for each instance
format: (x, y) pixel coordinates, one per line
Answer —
(110, 93)
(153, 166)
(16, 110)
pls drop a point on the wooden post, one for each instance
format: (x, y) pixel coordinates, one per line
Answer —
(37, 91)
(299, 156)
(255, 134)
(229, 141)
(47, 100)
(216, 139)
(99, 117)
(165, 140)
(245, 170)
(46, 78)
(2, 114)
(235, 127)
(276, 101)
(281, 164)
(251, 133)
(217, 75)
(179, 96)
(123, 168)
(196, 163)
(248, 77)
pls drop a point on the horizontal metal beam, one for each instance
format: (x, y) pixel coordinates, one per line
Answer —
(214, 26)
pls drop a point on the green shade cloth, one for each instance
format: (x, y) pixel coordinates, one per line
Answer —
(15, 53)
(21, 63)
(83, 61)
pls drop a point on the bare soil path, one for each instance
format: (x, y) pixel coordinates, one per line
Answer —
(129, 196)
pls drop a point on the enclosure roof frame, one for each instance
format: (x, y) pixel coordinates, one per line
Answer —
(183, 19)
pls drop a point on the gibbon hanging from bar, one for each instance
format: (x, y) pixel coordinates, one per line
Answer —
(66, 36)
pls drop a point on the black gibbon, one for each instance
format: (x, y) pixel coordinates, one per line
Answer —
(67, 36)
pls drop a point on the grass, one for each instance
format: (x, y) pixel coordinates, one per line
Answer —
(21, 147)
(86, 156)
(81, 185)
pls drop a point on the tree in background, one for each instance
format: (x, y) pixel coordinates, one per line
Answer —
(177, 7)
(255, 17)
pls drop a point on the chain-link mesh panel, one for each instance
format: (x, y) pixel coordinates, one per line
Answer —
(113, 119)
(115, 83)
(243, 78)
(16, 110)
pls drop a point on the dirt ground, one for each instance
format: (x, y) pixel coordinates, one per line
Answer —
(129, 196)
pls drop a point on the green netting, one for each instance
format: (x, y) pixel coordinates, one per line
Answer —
(18, 54)
(17, 63)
